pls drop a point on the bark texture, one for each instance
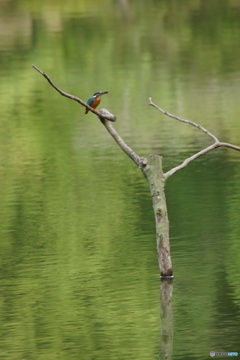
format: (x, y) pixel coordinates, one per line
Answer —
(156, 180)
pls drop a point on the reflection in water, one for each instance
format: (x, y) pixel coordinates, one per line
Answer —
(166, 343)
(124, 6)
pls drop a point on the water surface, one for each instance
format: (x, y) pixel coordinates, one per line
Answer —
(78, 266)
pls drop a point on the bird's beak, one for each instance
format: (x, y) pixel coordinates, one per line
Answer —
(103, 92)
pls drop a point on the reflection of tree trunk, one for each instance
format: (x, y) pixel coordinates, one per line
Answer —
(166, 344)
(154, 174)
(124, 5)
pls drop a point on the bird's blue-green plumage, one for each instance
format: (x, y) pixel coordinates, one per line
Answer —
(90, 100)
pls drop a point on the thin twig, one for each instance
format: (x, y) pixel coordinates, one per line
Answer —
(72, 97)
(183, 120)
(198, 154)
(231, 146)
(191, 158)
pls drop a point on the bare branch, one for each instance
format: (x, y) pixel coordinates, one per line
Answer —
(137, 159)
(105, 116)
(198, 154)
(183, 120)
(72, 97)
(231, 146)
(216, 143)
(191, 158)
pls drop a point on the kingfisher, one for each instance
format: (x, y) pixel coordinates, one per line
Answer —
(95, 100)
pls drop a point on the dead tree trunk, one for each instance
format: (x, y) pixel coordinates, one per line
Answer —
(154, 174)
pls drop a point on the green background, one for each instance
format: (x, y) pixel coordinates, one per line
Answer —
(78, 266)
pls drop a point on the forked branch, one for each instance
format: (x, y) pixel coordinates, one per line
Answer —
(105, 117)
(215, 145)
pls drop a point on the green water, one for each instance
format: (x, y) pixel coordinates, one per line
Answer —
(79, 276)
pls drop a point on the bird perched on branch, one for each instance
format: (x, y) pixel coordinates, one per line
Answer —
(95, 100)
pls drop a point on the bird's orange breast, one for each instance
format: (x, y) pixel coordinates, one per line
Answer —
(95, 102)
